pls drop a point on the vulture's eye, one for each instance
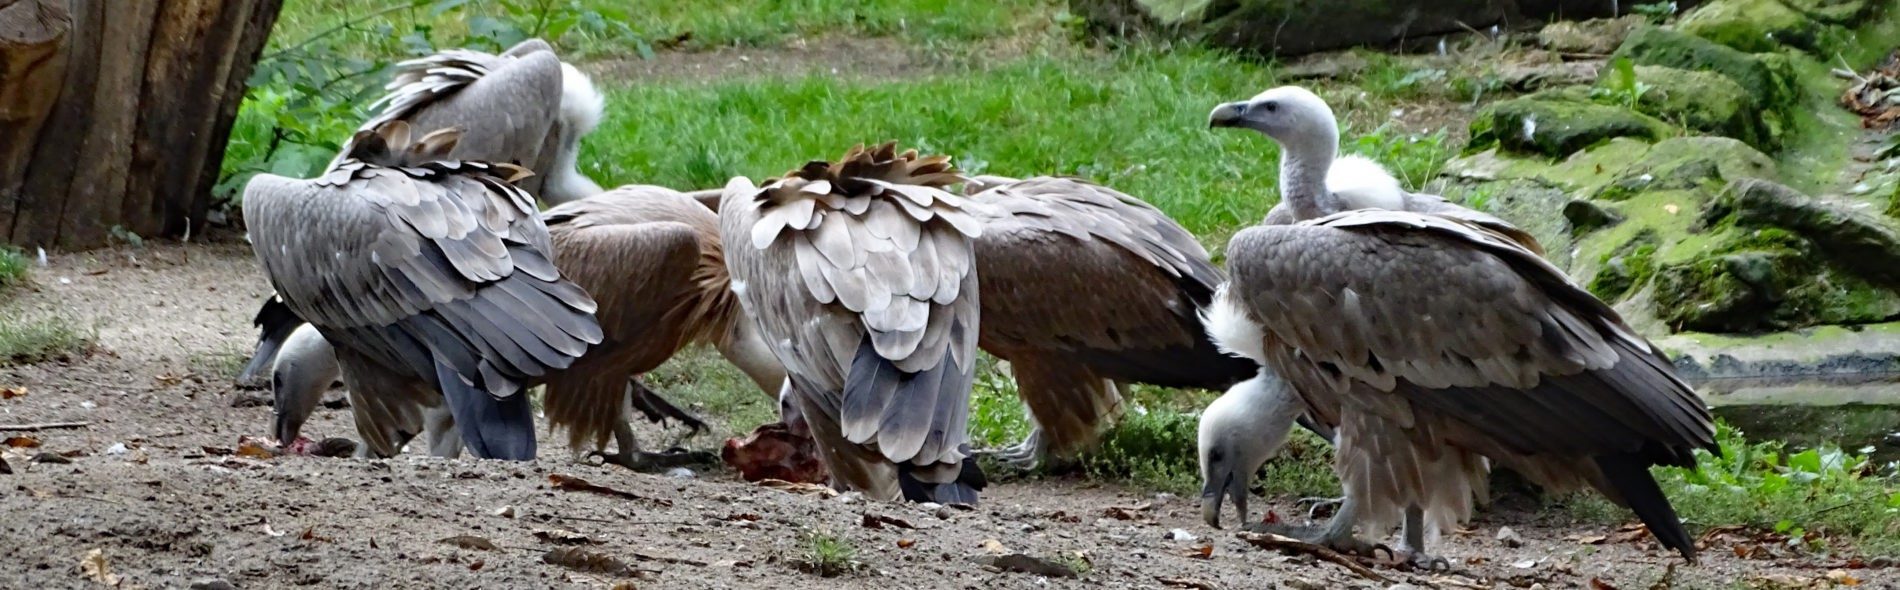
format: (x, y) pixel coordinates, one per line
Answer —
(1270, 106)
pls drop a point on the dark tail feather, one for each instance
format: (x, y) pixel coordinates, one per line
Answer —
(275, 321)
(970, 480)
(1629, 476)
(491, 428)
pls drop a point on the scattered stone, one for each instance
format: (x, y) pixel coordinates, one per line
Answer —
(212, 584)
(1181, 535)
(1509, 537)
(1027, 564)
(1834, 12)
(1326, 66)
(1299, 584)
(1598, 36)
(505, 512)
(1532, 77)
(116, 449)
(1586, 217)
(1702, 101)
(52, 459)
(680, 473)
(1403, 586)
(942, 513)
(1754, 26)
(849, 498)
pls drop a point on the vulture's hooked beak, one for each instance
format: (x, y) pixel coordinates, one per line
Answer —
(1231, 484)
(1233, 114)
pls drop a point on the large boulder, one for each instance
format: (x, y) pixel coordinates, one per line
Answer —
(1652, 46)
(1834, 12)
(1753, 26)
(1861, 243)
(1701, 101)
(1688, 163)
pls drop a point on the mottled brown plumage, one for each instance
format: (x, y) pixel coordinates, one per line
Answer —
(861, 275)
(1086, 288)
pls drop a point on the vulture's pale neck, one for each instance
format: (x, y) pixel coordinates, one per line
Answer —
(1303, 166)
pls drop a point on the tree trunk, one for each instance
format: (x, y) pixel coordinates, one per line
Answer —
(116, 112)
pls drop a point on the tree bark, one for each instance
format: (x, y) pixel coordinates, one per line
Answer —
(117, 112)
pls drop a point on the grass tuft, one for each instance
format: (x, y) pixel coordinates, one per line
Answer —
(14, 266)
(828, 555)
(34, 340)
(700, 379)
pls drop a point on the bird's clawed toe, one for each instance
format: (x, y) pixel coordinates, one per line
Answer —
(1319, 506)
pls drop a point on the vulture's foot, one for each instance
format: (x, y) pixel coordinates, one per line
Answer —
(1325, 536)
(651, 462)
(1423, 561)
(1026, 455)
(1319, 506)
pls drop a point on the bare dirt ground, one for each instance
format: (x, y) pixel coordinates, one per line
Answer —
(169, 509)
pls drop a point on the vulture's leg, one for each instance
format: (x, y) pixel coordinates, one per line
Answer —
(1336, 535)
(1026, 455)
(1412, 542)
(657, 409)
(444, 440)
(628, 454)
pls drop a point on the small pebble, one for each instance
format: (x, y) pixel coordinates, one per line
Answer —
(116, 449)
(212, 585)
(680, 473)
(505, 512)
(849, 498)
(942, 512)
(1509, 537)
(1181, 535)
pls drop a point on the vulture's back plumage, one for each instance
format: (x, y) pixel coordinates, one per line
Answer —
(861, 274)
(438, 272)
(1084, 287)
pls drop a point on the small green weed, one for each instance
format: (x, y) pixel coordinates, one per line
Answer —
(1620, 86)
(828, 556)
(14, 266)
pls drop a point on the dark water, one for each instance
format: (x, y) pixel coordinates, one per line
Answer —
(1850, 426)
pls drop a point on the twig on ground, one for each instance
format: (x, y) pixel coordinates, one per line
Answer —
(43, 426)
(1284, 543)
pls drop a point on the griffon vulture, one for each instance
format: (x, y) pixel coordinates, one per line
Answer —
(431, 277)
(1434, 340)
(861, 276)
(1085, 289)
(651, 259)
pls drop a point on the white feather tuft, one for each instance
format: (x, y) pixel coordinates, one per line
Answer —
(1363, 184)
(581, 104)
(1232, 330)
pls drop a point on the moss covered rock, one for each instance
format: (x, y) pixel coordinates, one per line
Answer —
(1555, 126)
(1834, 12)
(1585, 217)
(1867, 246)
(1626, 268)
(1702, 101)
(1734, 292)
(1594, 36)
(1752, 25)
(1775, 91)
(1684, 163)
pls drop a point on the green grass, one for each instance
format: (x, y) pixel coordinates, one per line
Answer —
(828, 555)
(1767, 486)
(33, 340)
(14, 266)
(633, 28)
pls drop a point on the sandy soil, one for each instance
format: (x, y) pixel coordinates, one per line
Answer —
(171, 509)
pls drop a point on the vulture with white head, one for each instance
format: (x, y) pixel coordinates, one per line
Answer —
(524, 107)
(862, 277)
(432, 278)
(1436, 338)
(1049, 247)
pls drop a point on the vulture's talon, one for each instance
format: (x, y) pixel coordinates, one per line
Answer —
(1319, 505)
(1022, 456)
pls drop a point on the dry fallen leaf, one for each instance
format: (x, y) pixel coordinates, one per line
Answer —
(575, 484)
(1842, 577)
(470, 542)
(1126, 512)
(310, 534)
(1599, 584)
(1202, 552)
(23, 442)
(1671, 208)
(906, 543)
(878, 521)
(12, 392)
(799, 488)
(1593, 539)
(476, 566)
(271, 531)
(624, 586)
(585, 561)
(93, 565)
(255, 449)
(993, 546)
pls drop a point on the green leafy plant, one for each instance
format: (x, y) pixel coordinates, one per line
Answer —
(828, 555)
(1619, 85)
(1655, 12)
